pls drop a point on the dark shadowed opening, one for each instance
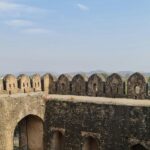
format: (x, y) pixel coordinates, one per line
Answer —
(19, 84)
(117, 91)
(124, 88)
(90, 144)
(138, 147)
(57, 142)
(63, 86)
(147, 89)
(95, 89)
(104, 88)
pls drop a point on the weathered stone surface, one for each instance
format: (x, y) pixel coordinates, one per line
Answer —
(112, 125)
(64, 84)
(115, 87)
(137, 86)
(75, 122)
(96, 85)
(79, 84)
(13, 109)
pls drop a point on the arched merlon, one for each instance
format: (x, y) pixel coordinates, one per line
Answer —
(96, 85)
(36, 82)
(48, 83)
(10, 84)
(115, 86)
(24, 83)
(15, 108)
(79, 84)
(64, 84)
(136, 86)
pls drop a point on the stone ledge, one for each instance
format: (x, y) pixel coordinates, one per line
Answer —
(99, 100)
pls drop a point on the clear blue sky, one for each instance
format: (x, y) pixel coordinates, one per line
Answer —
(74, 35)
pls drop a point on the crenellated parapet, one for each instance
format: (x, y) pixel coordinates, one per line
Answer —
(135, 86)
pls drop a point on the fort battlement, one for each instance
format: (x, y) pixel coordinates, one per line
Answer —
(74, 112)
(97, 85)
(73, 122)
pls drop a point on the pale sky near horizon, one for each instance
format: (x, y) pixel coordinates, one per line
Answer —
(74, 35)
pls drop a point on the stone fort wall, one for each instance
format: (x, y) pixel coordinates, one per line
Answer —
(114, 86)
(90, 123)
(76, 122)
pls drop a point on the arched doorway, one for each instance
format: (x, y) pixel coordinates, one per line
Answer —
(28, 134)
(138, 147)
(90, 144)
(57, 142)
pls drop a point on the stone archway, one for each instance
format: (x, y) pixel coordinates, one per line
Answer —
(28, 134)
(90, 144)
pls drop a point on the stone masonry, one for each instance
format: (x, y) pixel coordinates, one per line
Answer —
(49, 116)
